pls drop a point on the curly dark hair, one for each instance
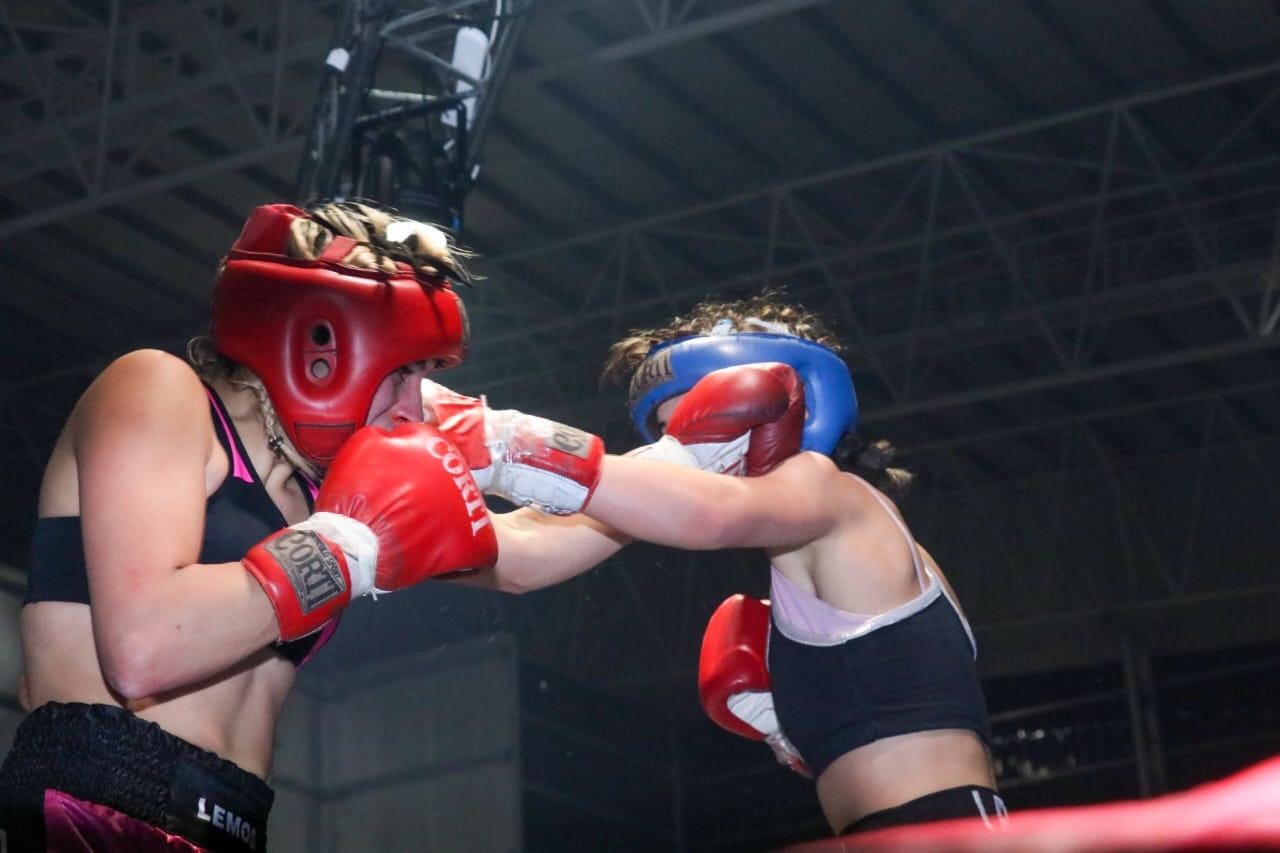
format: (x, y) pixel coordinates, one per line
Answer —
(763, 312)
(767, 311)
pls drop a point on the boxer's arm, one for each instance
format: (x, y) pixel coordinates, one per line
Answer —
(536, 550)
(754, 414)
(664, 503)
(685, 508)
(746, 417)
(143, 443)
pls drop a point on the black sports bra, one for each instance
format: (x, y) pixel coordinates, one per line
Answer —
(237, 516)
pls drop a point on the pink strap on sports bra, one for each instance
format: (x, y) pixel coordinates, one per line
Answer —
(325, 633)
(238, 466)
(312, 486)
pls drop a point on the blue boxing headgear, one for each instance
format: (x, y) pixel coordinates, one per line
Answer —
(673, 368)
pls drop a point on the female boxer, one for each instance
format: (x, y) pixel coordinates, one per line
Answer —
(860, 669)
(183, 564)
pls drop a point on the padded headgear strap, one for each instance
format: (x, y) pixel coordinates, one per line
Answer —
(322, 335)
(673, 368)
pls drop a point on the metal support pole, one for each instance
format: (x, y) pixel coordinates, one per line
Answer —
(417, 151)
(1148, 746)
(349, 71)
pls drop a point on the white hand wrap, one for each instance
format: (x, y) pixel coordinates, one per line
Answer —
(484, 476)
(543, 490)
(539, 463)
(527, 460)
(755, 708)
(717, 457)
(786, 753)
(359, 545)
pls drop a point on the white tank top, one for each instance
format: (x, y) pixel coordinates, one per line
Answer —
(805, 618)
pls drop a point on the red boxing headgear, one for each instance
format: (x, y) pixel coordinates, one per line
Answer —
(321, 335)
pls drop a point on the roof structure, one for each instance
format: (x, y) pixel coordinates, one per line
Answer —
(1047, 230)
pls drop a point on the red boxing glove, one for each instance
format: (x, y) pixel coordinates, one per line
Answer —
(733, 677)
(525, 459)
(395, 508)
(736, 420)
(777, 439)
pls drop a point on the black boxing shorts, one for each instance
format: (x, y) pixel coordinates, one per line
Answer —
(96, 778)
(949, 804)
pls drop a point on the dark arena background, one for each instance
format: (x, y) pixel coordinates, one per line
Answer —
(1047, 229)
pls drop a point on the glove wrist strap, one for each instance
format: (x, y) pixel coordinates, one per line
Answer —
(358, 542)
(666, 449)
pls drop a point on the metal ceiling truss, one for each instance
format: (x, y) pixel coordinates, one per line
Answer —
(663, 23)
(1085, 268)
(106, 94)
(106, 89)
(110, 91)
(944, 260)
